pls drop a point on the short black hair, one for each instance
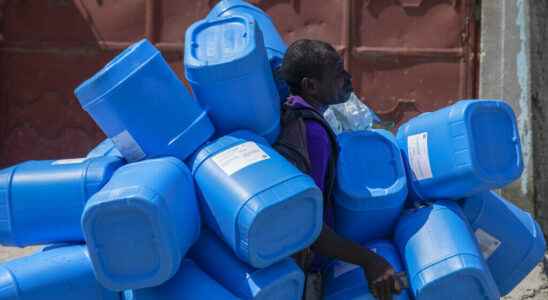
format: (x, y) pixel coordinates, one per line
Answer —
(307, 58)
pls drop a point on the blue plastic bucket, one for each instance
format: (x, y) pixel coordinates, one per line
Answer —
(469, 147)
(441, 255)
(57, 273)
(190, 282)
(227, 66)
(262, 206)
(141, 224)
(347, 281)
(371, 185)
(510, 239)
(282, 280)
(138, 102)
(41, 202)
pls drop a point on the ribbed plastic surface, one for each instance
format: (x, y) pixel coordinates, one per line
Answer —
(371, 186)
(140, 225)
(346, 281)
(58, 273)
(510, 239)
(190, 282)
(138, 102)
(227, 66)
(273, 41)
(283, 280)
(441, 255)
(466, 148)
(41, 202)
(263, 207)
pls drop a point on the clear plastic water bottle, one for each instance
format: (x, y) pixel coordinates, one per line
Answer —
(351, 115)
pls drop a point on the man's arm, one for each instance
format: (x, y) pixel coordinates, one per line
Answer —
(377, 270)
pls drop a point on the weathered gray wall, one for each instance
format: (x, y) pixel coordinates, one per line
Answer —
(539, 104)
(514, 67)
(505, 74)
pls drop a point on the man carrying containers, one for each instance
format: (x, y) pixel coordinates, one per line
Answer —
(316, 77)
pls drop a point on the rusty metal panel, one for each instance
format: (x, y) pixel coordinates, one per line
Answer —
(44, 22)
(41, 117)
(412, 56)
(306, 19)
(406, 56)
(117, 23)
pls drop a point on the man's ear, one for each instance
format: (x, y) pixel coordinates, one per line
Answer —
(309, 85)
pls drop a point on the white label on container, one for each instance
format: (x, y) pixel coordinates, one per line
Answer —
(342, 268)
(488, 243)
(69, 161)
(126, 144)
(417, 147)
(238, 157)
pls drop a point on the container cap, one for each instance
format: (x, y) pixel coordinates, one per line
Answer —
(116, 71)
(227, 47)
(274, 43)
(279, 221)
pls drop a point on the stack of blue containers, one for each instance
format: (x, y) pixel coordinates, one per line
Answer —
(127, 218)
(186, 199)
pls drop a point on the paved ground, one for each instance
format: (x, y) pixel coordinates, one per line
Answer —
(534, 287)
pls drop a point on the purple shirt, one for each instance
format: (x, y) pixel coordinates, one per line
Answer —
(319, 149)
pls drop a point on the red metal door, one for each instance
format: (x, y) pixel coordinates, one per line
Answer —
(406, 56)
(412, 56)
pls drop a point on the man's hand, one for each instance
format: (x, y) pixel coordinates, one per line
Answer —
(381, 278)
(380, 275)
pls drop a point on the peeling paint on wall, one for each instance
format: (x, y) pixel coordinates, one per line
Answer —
(523, 69)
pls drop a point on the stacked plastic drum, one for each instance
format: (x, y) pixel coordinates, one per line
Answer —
(347, 281)
(369, 196)
(227, 66)
(127, 213)
(461, 240)
(186, 199)
(136, 204)
(371, 186)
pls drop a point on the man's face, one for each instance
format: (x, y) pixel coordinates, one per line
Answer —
(336, 85)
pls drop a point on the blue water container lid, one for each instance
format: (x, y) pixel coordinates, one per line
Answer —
(115, 72)
(224, 6)
(222, 48)
(135, 217)
(493, 122)
(299, 221)
(391, 181)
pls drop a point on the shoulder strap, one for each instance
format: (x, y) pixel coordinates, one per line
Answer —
(292, 143)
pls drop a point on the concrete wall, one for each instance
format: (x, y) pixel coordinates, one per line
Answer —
(539, 104)
(505, 74)
(514, 67)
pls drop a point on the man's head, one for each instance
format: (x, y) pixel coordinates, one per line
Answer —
(314, 70)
